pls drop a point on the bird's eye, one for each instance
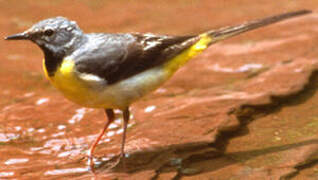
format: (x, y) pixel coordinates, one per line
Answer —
(48, 32)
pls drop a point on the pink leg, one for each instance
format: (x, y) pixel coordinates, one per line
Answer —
(110, 116)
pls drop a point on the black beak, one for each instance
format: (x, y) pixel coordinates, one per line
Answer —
(20, 36)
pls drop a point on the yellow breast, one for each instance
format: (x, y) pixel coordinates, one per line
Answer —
(66, 80)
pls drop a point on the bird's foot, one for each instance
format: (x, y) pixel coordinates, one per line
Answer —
(107, 163)
(90, 161)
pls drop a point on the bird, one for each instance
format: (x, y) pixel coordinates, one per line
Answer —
(113, 70)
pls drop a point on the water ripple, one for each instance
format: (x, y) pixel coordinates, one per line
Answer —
(65, 171)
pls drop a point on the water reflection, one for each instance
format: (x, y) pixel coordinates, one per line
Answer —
(65, 171)
(6, 137)
(42, 101)
(243, 68)
(78, 116)
(6, 174)
(16, 161)
(150, 108)
(61, 127)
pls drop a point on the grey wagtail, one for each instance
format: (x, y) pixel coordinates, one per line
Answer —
(111, 71)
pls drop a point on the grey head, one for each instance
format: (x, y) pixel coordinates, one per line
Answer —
(54, 35)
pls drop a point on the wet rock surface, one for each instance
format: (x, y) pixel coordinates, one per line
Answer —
(244, 109)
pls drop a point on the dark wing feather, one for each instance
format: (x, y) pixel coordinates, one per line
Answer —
(115, 57)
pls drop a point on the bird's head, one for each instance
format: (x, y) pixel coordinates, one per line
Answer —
(54, 34)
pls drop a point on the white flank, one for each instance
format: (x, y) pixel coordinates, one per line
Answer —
(90, 77)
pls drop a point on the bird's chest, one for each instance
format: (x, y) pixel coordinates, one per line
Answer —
(66, 80)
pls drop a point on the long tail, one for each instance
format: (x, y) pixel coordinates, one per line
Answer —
(196, 45)
(224, 33)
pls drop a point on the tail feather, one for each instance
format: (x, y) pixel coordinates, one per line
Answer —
(227, 32)
(197, 44)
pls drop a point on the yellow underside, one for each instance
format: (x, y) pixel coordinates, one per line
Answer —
(121, 94)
